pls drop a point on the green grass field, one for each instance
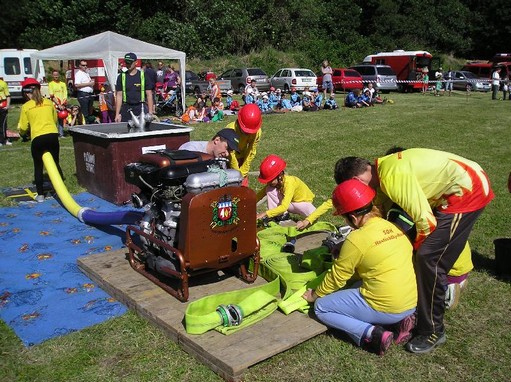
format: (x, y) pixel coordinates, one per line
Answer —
(479, 330)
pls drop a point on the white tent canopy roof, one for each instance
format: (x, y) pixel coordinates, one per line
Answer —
(110, 47)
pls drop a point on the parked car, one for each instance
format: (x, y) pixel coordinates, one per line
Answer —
(465, 80)
(343, 79)
(241, 77)
(195, 85)
(287, 78)
(382, 76)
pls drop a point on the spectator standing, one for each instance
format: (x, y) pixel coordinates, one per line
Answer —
(448, 81)
(214, 90)
(132, 91)
(425, 80)
(85, 90)
(327, 78)
(505, 88)
(151, 78)
(438, 81)
(172, 79)
(495, 84)
(160, 72)
(5, 103)
(39, 114)
(58, 94)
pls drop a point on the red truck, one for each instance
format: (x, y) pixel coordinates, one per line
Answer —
(408, 66)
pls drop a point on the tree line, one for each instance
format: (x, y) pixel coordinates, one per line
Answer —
(205, 29)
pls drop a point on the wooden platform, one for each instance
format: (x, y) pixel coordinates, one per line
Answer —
(229, 356)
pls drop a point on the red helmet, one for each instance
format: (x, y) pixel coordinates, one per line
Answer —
(250, 119)
(62, 114)
(3, 103)
(30, 82)
(351, 195)
(270, 168)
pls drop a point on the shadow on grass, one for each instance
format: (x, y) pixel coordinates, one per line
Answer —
(501, 272)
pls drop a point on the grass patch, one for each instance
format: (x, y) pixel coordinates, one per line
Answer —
(130, 349)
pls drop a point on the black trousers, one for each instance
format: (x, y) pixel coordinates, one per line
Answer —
(86, 101)
(3, 125)
(433, 261)
(40, 145)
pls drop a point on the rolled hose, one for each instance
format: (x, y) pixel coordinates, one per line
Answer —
(85, 214)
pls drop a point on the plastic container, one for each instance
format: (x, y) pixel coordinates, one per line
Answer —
(503, 256)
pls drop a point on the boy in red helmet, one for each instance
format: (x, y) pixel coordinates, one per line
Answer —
(286, 193)
(378, 254)
(248, 128)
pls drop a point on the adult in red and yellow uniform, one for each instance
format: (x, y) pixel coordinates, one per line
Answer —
(444, 194)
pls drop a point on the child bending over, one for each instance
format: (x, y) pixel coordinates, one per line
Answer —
(286, 193)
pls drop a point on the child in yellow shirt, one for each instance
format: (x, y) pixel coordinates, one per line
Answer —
(286, 193)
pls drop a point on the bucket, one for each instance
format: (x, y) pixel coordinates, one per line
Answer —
(502, 256)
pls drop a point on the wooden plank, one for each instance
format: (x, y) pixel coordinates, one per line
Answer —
(229, 356)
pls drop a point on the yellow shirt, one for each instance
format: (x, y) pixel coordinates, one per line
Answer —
(293, 189)
(4, 90)
(322, 209)
(41, 119)
(248, 147)
(58, 90)
(380, 255)
(420, 180)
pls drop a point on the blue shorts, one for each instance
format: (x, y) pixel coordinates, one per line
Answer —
(327, 85)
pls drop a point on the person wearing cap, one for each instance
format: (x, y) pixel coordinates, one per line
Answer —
(444, 194)
(286, 193)
(220, 146)
(379, 307)
(84, 85)
(248, 127)
(5, 102)
(40, 116)
(133, 92)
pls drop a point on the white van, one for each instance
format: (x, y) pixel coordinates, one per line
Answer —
(15, 66)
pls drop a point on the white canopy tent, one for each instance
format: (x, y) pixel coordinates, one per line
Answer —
(110, 47)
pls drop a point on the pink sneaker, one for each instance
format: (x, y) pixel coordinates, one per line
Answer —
(380, 340)
(404, 329)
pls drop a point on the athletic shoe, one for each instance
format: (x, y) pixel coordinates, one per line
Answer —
(8, 143)
(452, 295)
(380, 340)
(425, 343)
(404, 329)
(39, 198)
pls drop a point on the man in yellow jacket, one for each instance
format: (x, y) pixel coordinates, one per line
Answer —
(444, 194)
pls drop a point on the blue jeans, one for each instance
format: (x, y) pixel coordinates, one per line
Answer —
(347, 310)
